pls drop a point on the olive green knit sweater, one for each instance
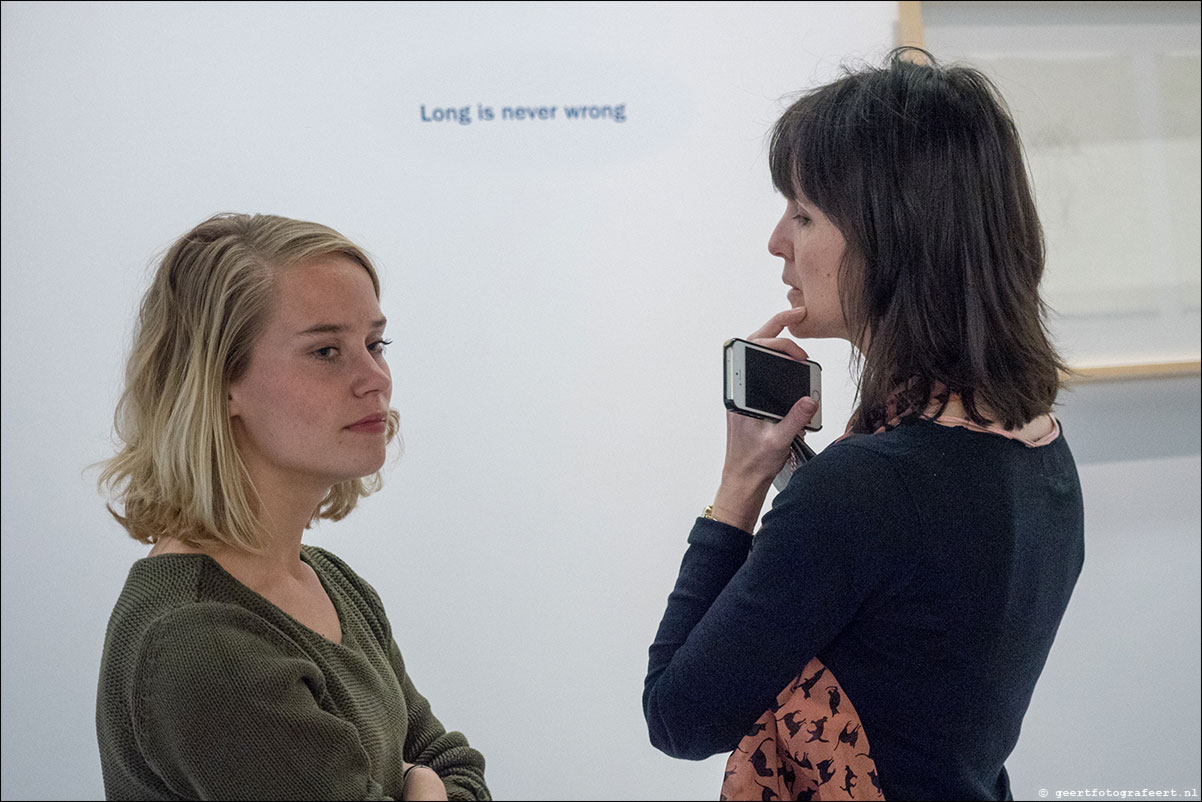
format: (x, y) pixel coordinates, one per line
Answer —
(209, 691)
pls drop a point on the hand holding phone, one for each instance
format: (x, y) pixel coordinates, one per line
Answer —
(763, 438)
(763, 382)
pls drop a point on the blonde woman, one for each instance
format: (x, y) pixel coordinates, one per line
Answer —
(240, 663)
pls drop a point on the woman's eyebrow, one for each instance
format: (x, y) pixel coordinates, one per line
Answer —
(339, 328)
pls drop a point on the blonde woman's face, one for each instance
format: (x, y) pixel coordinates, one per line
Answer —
(311, 409)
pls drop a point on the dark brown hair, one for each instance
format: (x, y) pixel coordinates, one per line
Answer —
(921, 169)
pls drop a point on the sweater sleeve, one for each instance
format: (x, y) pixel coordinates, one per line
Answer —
(448, 753)
(427, 742)
(739, 626)
(227, 707)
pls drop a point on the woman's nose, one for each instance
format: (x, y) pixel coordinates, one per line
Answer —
(778, 243)
(372, 375)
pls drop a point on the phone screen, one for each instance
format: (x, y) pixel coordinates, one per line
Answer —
(774, 383)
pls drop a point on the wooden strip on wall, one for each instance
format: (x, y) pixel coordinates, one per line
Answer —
(1147, 370)
(909, 23)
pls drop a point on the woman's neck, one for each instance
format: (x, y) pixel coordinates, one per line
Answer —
(283, 514)
(260, 571)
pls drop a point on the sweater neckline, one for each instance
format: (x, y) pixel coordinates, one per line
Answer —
(952, 422)
(307, 559)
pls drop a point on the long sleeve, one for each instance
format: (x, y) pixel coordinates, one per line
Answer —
(926, 568)
(736, 630)
(716, 552)
(208, 690)
(227, 707)
(448, 753)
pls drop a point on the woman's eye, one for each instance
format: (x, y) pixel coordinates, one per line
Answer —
(325, 353)
(378, 346)
(801, 218)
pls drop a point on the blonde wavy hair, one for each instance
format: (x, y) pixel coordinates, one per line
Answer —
(179, 472)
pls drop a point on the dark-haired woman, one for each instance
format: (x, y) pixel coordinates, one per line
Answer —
(882, 633)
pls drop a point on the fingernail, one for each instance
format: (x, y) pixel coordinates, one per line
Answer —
(809, 405)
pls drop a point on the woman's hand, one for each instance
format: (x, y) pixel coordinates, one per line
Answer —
(756, 450)
(422, 783)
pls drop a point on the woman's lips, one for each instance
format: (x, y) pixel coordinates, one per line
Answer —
(374, 425)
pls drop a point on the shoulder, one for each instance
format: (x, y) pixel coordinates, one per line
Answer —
(328, 562)
(914, 459)
(843, 529)
(199, 657)
(192, 640)
(852, 499)
(909, 462)
(861, 471)
(857, 453)
(915, 439)
(157, 587)
(338, 576)
(333, 569)
(173, 659)
(178, 610)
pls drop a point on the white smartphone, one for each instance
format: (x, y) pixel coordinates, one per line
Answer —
(766, 383)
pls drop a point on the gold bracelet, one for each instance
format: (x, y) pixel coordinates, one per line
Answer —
(709, 513)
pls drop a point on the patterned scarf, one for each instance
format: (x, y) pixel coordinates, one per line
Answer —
(809, 745)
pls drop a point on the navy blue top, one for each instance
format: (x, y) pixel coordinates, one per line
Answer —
(927, 567)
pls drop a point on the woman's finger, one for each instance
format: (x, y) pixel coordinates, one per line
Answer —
(799, 417)
(777, 323)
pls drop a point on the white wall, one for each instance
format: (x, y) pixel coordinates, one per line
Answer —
(1117, 706)
(1106, 97)
(558, 291)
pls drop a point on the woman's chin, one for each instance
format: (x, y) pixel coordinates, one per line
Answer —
(816, 329)
(364, 467)
(799, 330)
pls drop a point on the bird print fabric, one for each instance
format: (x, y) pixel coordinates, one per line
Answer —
(810, 745)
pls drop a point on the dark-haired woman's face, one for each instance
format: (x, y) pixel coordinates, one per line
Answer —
(812, 247)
